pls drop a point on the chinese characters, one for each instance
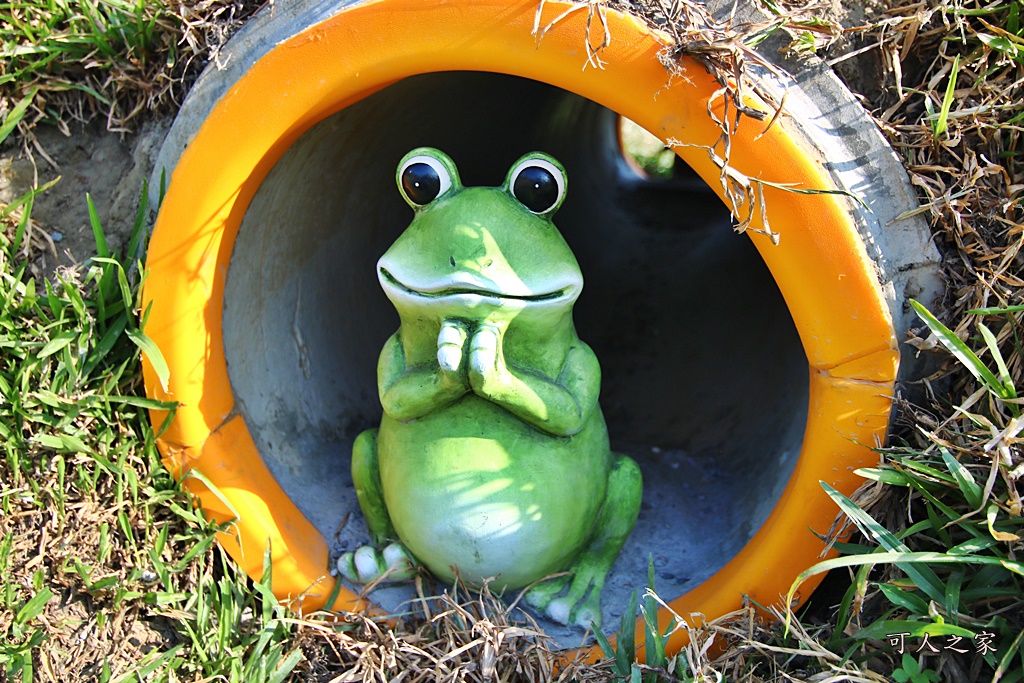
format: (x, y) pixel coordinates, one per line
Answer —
(954, 643)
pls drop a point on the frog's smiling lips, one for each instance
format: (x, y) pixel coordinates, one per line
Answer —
(449, 291)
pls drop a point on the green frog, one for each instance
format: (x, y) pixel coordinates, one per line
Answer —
(492, 458)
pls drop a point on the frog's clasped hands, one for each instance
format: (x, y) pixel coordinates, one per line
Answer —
(472, 355)
(492, 458)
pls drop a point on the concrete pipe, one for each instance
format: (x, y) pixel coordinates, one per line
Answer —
(737, 372)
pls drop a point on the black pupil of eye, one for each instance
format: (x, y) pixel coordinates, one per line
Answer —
(536, 188)
(421, 183)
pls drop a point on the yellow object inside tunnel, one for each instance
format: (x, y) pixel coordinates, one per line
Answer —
(820, 266)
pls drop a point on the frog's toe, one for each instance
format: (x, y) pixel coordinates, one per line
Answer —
(541, 594)
(587, 615)
(367, 564)
(559, 610)
(362, 566)
(565, 610)
(400, 563)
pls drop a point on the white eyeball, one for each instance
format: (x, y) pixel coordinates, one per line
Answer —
(423, 179)
(538, 184)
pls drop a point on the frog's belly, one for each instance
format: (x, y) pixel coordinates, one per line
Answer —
(472, 486)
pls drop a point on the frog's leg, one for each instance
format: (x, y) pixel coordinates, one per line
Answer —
(369, 492)
(541, 595)
(367, 563)
(581, 605)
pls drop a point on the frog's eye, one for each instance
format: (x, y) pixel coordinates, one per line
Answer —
(423, 179)
(538, 184)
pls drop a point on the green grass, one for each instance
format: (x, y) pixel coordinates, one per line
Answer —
(955, 574)
(118, 58)
(110, 54)
(58, 34)
(95, 536)
(658, 664)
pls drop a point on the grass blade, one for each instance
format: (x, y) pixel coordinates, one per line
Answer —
(1007, 658)
(960, 351)
(605, 645)
(901, 598)
(942, 123)
(923, 577)
(34, 607)
(972, 492)
(913, 629)
(149, 664)
(997, 310)
(956, 581)
(626, 651)
(902, 560)
(16, 114)
(993, 347)
(153, 355)
(990, 517)
(139, 227)
(97, 229)
(285, 667)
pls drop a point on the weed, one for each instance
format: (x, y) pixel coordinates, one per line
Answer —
(1000, 387)
(958, 577)
(107, 572)
(940, 121)
(910, 671)
(657, 666)
(122, 57)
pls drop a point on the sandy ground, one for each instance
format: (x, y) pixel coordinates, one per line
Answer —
(109, 167)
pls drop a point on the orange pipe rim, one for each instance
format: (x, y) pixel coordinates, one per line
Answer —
(821, 267)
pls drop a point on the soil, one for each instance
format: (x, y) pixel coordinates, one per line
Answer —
(111, 168)
(857, 63)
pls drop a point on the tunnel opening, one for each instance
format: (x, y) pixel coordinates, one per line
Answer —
(705, 381)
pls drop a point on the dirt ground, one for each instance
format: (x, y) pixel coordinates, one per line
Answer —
(111, 168)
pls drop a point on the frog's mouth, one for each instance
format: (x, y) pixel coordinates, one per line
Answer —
(442, 292)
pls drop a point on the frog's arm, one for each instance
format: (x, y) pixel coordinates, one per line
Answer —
(560, 406)
(410, 392)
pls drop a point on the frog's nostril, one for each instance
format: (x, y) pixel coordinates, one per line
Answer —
(488, 262)
(451, 260)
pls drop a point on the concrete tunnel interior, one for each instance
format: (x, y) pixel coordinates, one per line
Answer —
(705, 381)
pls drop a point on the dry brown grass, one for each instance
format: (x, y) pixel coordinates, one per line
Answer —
(970, 177)
(110, 58)
(461, 636)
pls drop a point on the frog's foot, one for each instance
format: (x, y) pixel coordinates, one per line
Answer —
(581, 604)
(394, 564)
(566, 609)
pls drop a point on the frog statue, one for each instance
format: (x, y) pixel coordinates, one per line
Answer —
(492, 457)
